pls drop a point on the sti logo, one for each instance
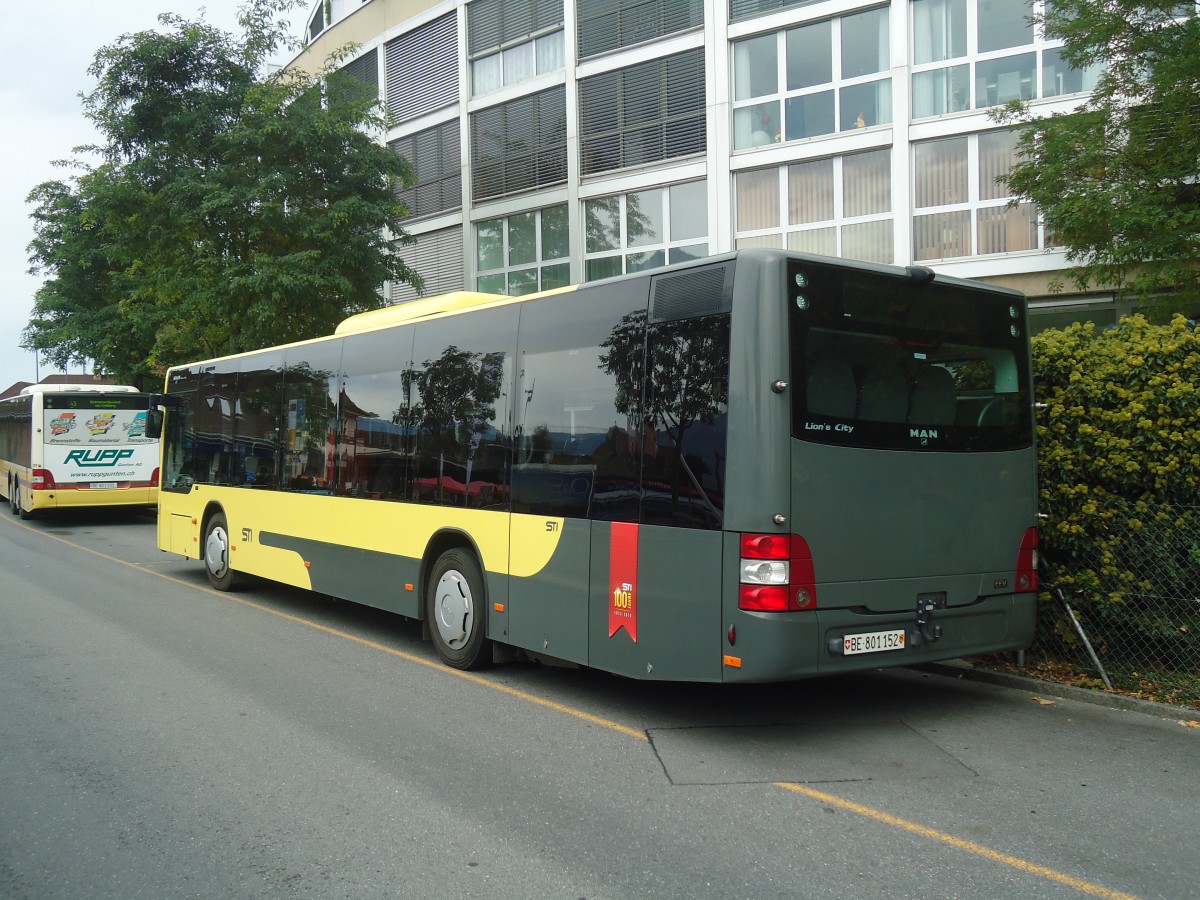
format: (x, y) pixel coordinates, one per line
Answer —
(98, 459)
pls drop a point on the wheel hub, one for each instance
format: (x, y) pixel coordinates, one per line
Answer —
(452, 609)
(216, 552)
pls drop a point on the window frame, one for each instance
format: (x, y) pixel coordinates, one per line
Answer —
(540, 264)
(974, 206)
(965, 97)
(745, 109)
(670, 247)
(786, 233)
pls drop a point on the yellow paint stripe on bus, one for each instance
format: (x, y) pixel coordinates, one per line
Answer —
(876, 815)
(1079, 884)
(518, 545)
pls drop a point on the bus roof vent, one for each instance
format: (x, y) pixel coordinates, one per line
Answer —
(695, 292)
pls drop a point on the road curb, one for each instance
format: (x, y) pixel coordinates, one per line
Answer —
(956, 669)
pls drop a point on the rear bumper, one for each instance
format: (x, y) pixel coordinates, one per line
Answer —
(75, 498)
(788, 646)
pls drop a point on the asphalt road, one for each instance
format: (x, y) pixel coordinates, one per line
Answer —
(163, 740)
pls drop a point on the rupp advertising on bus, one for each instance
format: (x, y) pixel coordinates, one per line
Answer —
(67, 446)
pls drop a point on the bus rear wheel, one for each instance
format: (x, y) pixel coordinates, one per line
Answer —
(216, 553)
(456, 608)
(17, 508)
(14, 502)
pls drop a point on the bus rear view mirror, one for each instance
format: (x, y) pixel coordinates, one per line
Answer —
(154, 423)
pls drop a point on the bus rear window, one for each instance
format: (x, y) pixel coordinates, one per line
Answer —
(884, 363)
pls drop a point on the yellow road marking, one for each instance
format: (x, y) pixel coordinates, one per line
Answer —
(1015, 862)
(436, 666)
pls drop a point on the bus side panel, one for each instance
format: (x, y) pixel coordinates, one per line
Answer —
(670, 629)
(382, 580)
(176, 531)
(372, 554)
(548, 612)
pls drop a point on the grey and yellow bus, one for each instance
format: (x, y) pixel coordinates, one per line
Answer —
(66, 446)
(753, 467)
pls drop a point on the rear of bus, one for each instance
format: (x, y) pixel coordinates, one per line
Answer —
(93, 451)
(909, 535)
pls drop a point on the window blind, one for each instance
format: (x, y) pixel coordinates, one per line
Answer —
(519, 145)
(494, 23)
(437, 256)
(608, 24)
(422, 69)
(434, 155)
(644, 113)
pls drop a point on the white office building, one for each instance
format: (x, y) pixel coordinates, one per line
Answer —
(558, 141)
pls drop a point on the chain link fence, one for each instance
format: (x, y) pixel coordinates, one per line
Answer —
(1120, 607)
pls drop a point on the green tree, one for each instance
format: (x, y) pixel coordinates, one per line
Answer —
(1116, 180)
(228, 210)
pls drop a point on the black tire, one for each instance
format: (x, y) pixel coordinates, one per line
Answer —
(14, 503)
(456, 609)
(216, 553)
(17, 508)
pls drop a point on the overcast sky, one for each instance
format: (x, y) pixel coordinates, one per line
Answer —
(45, 51)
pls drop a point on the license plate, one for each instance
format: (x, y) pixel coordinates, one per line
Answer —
(103, 485)
(873, 642)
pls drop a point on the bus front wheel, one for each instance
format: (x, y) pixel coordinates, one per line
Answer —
(216, 553)
(456, 608)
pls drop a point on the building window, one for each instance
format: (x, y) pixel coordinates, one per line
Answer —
(523, 253)
(608, 24)
(813, 80)
(836, 206)
(422, 69)
(434, 154)
(643, 113)
(963, 57)
(519, 145)
(510, 41)
(516, 64)
(963, 210)
(1058, 78)
(645, 229)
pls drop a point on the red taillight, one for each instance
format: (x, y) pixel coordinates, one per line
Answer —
(154, 477)
(1027, 562)
(776, 573)
(766, 546)
(42, 480)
